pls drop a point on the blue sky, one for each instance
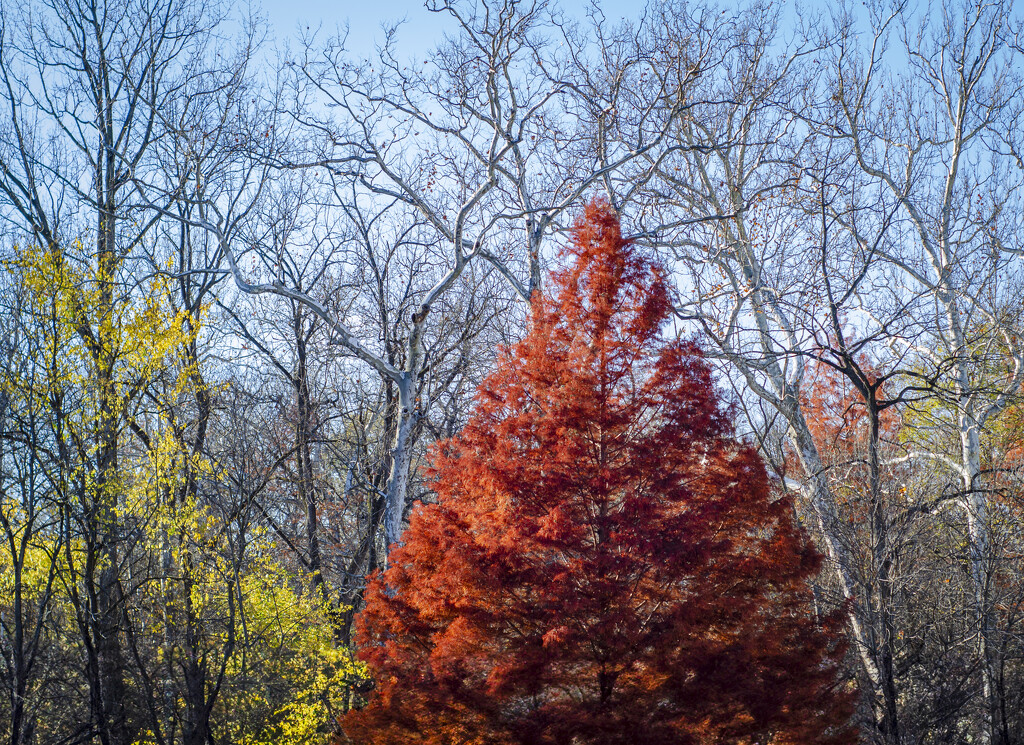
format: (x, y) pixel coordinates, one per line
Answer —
(365, 17)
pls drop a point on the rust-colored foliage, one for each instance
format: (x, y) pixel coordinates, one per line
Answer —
(604, 564)
(837, 416)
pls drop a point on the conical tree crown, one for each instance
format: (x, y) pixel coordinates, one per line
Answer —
(604, 563)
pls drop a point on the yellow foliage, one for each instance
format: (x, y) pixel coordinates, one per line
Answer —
(101, 345)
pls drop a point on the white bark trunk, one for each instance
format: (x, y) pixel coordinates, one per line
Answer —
(401, 461)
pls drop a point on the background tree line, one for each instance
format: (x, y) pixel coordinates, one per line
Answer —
(241, 297)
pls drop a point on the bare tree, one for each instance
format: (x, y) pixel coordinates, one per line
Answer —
(936, 138)
(468, 151)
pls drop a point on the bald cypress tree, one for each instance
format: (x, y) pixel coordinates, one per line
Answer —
(605, 562)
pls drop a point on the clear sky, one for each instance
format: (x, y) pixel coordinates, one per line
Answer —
(422, 31)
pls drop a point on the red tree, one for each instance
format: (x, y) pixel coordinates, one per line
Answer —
(604, 563)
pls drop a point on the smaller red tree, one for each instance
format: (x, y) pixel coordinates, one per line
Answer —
(604, 563)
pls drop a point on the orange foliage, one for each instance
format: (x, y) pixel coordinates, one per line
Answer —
(604, 563)
(837, 416)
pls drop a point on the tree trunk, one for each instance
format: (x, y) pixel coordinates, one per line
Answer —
(881, 586)
(822, 504)
(109, 610)
(306, 483)
(401, 461)
(976, 506)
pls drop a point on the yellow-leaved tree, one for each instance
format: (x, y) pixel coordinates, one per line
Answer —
(124, 542)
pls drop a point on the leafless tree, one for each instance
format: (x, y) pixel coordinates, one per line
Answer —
(935, 135)
(465, 152)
